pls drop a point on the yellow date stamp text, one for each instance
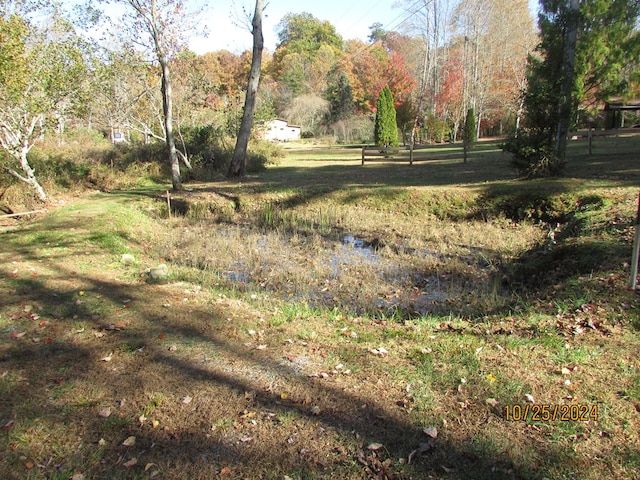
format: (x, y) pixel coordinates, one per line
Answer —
(534, 412)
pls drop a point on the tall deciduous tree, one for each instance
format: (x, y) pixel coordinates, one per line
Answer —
(160, 26)
(236, 169)
(386, 128)
(307, 51)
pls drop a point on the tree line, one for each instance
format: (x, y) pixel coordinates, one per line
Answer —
(133, 74)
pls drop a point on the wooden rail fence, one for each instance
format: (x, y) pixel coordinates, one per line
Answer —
(371, 152)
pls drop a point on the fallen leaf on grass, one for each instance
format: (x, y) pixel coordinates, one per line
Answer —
(374, 446)
(155, 423)
(131, 463)
(105, 412)
(8, 425)
(529, 398)
(78, 476)
(431, 431)
(186, 399)
(130, 441)
(225, 471)
(18, 335)
(492, 402)
(381, 352)
(107, 358)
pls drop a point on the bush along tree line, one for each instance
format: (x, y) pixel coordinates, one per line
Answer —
(55, 78)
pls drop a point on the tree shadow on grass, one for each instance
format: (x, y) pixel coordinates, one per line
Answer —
(220, 403)
(223, 407)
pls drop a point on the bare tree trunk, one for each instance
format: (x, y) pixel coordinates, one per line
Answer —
(236, 169)
(16, 141)
(423, 87)
(167, 108)
(565, 107)
(30, 177)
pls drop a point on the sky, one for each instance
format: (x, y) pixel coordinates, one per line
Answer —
(352, 19)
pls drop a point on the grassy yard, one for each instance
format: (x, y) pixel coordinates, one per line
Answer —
(325, 319)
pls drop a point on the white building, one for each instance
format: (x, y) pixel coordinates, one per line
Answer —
(280, 131)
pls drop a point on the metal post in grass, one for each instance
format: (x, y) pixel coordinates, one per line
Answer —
(636, 247)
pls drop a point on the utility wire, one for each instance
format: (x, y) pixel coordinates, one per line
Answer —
(402, 17)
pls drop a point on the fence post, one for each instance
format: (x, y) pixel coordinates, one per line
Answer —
(636, 247)
(363, 148)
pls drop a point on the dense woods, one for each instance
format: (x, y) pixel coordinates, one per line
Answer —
(137, 79)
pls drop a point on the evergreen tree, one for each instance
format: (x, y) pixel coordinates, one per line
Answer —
(470, 127)
(340, 97)
(588, 51)
(386, 128)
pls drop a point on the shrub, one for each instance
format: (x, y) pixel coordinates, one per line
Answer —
(436, 130)
(386, 128)
(470, 127)
(533, 155)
